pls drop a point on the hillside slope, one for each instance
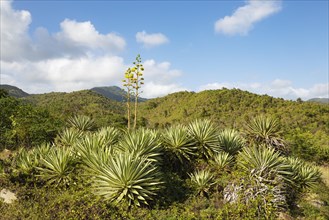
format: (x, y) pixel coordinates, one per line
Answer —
(14, 91)
(114, 93)
(84, 102)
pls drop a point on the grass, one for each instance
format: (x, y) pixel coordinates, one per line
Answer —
(325, 174)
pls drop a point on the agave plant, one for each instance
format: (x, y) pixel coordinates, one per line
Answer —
(81, 123)
(303, 175)
(56, 167)
(262, 162)
(204, 134)
(128, 179)
(68, 137)
(109, 134)
(263, 130)
(177, 141)
(93, 151)
(202, 181)
(230, 141)
(26, 161)
(222, 160)
(141, 143)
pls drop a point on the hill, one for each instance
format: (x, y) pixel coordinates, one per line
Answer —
(14, 91)
(84, 102)
(319, 100)
(114, 93)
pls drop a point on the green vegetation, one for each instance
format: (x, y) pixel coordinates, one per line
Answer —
(224, 154)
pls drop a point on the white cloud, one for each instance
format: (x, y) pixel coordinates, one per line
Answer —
(151, 40)
(244, 18)
(75, 39)
(276, 88)
(15, 43)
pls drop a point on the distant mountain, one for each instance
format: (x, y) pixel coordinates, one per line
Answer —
(14, 91)
(114, 93)
(319, 100)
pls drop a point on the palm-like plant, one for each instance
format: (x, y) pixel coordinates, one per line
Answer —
(230, 141)
(204, 134)
(265, 130)
(93, 151)
(177, 141)
(141, 143)
(81, 123)
(202, 181)
(303, 175)
(109, 134)
(68, 137)
(129, 179)
(56, 167)
(25, 161)
(222, 160)
(262, 162)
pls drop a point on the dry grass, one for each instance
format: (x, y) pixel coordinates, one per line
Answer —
(325, 174)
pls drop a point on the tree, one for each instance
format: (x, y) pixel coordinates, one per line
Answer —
(133, 82)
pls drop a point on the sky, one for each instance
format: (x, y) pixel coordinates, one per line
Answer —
(279, 48)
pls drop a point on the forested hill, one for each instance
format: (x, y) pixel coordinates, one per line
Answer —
(84, 102)
(231, 107)
(114, 93)
(305, 124)
(14, 91)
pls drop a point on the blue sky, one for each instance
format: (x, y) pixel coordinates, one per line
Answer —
(279, 48)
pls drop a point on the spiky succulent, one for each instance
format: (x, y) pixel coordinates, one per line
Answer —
(204, 134)
(56, 167)
(202, 181)
(81, 123)
(222, 160)
(177, 141)
(141, 143)
(127, 179)
(230, 141)
(68, 137)
(263, 130)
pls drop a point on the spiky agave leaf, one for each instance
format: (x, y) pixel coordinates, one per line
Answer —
(222, 160)
(56, 166)
(81, 123)
(129, 179)
(202, 180)
(109, 134)
(25, 161)
(262, 162)
(263, 130)
(204, 135)
(177, 141)
(141, 143)
(93, 151)
(303, 175)
(68, 137)
(230, 141)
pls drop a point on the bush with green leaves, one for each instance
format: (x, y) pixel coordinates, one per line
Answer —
(127, 179)
(204, 134)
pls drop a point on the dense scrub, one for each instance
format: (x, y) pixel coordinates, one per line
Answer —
(191, 171)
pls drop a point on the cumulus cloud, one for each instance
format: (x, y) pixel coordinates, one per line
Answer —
(75, 39)
(244, 18)
(151, 40)
(276, 88)
(77, 57)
